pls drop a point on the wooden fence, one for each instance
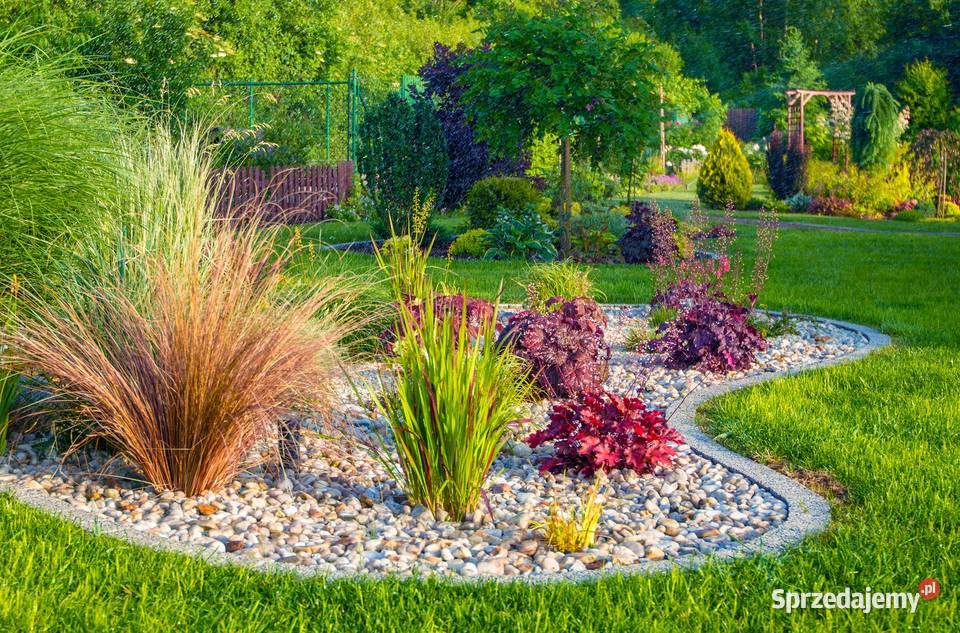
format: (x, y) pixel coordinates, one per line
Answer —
(742, 122)
(284, 194)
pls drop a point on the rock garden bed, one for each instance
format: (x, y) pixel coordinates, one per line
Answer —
(343, 514)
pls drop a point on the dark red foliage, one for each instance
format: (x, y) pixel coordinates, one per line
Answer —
(831, 205)
(478, 314)
(564, 348)
(786, 166)
(711, 335)
(637, 244)
(470, 158)
(604, 431)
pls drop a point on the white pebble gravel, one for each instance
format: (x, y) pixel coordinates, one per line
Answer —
(343, 512)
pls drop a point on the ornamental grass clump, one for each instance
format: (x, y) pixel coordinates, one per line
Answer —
(572, 532)
(456, 396)
(178, 341)
(558, 279)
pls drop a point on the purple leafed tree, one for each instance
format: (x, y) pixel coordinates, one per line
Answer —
(470, 158)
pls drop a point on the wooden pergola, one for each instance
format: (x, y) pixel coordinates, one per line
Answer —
(841, 105)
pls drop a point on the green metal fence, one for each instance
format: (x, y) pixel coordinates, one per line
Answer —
(316, 122)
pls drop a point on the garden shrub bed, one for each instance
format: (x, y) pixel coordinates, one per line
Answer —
(343, 514)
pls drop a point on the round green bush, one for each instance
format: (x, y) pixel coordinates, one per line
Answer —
(474, 243)
(490, 195)
(725, 175)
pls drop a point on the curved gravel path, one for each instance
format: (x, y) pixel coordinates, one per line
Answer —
(781, 509)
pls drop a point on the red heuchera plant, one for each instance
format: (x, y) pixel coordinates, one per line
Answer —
(564, 347)
(478, 312)
(604, 431)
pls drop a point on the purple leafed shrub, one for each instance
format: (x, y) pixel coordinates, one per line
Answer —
(564, 347)
(638, 244)
(604, 431)
(709, 334)
(478, 313)
(470, 159)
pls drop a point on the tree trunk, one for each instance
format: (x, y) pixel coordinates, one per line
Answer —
(566, 197)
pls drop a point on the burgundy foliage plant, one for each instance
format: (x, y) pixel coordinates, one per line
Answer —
(564, 347)
(604, 431)
(470, 158)
(464, 311)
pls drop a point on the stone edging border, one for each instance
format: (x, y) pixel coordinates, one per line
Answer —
(808, 512)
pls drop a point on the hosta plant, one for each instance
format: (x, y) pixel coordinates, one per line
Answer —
(604, 431)
(521, 235)
(564, 348)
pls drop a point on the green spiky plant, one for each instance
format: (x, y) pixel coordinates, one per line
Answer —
(57, 150)
(558, 279)
(455, 398)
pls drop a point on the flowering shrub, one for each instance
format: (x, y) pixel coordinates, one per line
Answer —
(604, 431)
(449, 307)
(830, 205)
(563, 348)
(711, 335)
(663, 182)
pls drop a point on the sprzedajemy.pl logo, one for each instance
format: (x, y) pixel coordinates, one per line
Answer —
(865, 601)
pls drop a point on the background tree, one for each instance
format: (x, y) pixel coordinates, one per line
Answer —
(403, 155)
(876, 128)
(925, 90)
(569, 74)
(470, 158)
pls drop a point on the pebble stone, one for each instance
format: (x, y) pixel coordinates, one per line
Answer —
(343, 512)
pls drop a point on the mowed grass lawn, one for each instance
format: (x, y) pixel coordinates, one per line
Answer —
(887, 428)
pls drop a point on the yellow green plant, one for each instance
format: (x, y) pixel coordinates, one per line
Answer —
(573, 532)
(568, 280)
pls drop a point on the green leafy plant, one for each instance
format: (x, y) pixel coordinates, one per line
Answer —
(637, 338)
(925, 89)
(403, 154)
(455, 397)
(474, 243)
(488, 197)
(528, 82)
(566, 280)
(521, 236)
(725, 175)
(573, 532)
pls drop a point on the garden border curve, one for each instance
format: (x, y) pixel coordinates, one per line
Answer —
(808, 512)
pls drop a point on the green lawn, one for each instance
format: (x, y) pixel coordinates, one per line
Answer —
(888, 428)
(679, 203)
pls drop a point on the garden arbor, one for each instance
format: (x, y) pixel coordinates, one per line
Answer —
(841, 111)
